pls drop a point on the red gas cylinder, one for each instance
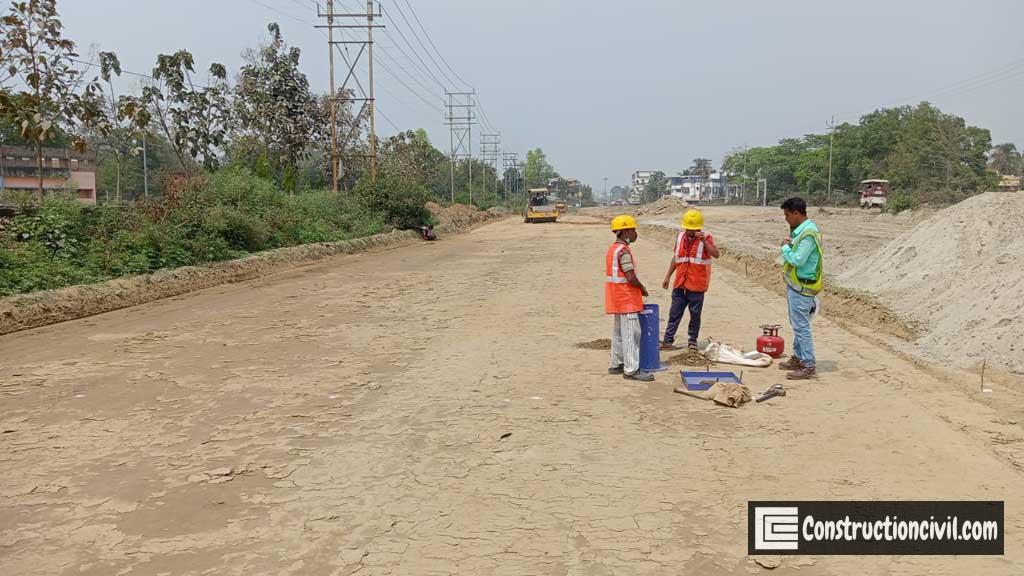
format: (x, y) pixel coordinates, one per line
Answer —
(769, 342)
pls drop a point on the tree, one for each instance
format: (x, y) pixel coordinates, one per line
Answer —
(194, 119)
(126, 118)
(1006, 160)
(54, 95)
(701, 167)
(352, 139)
(656, 187)
(538, 169)
(274, 107)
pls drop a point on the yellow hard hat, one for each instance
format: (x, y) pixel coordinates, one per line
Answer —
(623, 222)
(692, 220)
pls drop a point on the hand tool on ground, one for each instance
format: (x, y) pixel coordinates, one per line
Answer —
(776, 390)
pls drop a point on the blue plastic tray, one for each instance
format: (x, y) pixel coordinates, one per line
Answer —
(692, 379)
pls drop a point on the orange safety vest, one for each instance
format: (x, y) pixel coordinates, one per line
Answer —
(693, 269)
(619, 296)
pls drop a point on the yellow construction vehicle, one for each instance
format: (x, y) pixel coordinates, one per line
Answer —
(540, 208)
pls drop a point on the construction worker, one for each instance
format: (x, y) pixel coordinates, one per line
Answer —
(802, 270)
(691, 263)
(624, 298)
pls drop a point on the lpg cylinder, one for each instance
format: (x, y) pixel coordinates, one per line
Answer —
(769, 342)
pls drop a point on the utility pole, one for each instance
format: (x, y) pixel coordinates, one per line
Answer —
(460, 119)
(145, 168)
(365, 46)
(373, 119)
(604, 197)
(831, 134)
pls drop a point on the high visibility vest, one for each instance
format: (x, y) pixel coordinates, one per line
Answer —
(805, 287)
(693, 266)
(620, 297)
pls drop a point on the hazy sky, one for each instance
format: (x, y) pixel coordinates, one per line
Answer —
(606, 88)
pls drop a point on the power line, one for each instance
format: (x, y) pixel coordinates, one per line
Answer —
(409, 44)
(420, 41)
(278, 11)
(431, 41)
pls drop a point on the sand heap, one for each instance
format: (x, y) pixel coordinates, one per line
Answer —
(457, 215)
(667, 205)
(960, 275)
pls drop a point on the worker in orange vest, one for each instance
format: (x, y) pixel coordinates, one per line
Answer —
(624, 298)
(691, 263)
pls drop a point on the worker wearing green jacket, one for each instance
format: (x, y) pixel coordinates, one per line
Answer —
(802, 260)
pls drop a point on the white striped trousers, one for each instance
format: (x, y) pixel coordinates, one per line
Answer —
(626, 342)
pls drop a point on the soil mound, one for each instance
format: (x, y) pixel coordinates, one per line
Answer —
(599, 344)
(667, 206)
(960, 276)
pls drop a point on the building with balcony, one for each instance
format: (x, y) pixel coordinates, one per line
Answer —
(64, 170)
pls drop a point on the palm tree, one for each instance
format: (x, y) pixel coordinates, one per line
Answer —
(702, 168)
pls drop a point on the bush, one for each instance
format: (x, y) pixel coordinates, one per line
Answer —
(207, 218)
(240, 230)
(899, 201)
(402, 204)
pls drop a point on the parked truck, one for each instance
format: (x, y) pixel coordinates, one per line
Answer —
(873, 193)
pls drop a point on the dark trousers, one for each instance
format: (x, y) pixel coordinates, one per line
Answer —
(681, 300)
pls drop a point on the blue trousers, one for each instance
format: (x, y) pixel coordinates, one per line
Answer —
(801, 308)
(681, 300)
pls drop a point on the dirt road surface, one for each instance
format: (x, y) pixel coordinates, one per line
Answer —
(425, 410)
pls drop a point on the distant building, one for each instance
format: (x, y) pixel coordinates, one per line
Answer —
(1009, 184)
(640, 179)
(692, 188)
(64, 170)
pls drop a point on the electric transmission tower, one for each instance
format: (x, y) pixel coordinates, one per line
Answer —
(460, 118)
(490, 150)
(365, 46)
(510, 173)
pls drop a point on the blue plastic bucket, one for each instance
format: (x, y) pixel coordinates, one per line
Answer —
(650, 355)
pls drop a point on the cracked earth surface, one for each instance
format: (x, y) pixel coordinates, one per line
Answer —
(425, 410)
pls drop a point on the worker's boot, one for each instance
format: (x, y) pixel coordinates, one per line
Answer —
(640, 376)
(793, 363)
(668, 346)
(804, 373)
(616, 370)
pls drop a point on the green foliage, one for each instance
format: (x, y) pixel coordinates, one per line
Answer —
(402, 203)
(52, 95)
(193, 118)
(1006, 160)
(538, 169)
(656, 187)
(900, 201)
(233, 213)
(918, 149)
(274, 107)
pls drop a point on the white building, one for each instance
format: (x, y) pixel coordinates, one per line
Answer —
(692, 188)
(640, 179)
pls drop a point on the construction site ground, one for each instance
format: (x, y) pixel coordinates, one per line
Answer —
(426, 410)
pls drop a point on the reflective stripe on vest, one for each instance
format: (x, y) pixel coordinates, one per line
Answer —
(621, 297)
(693, 272)
(800, 286)
(615, 278)
(698, 257)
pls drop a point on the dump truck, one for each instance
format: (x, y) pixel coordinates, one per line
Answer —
(540, 208)
(873, 193)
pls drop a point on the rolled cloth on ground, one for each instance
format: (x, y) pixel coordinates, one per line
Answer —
(725, 354)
